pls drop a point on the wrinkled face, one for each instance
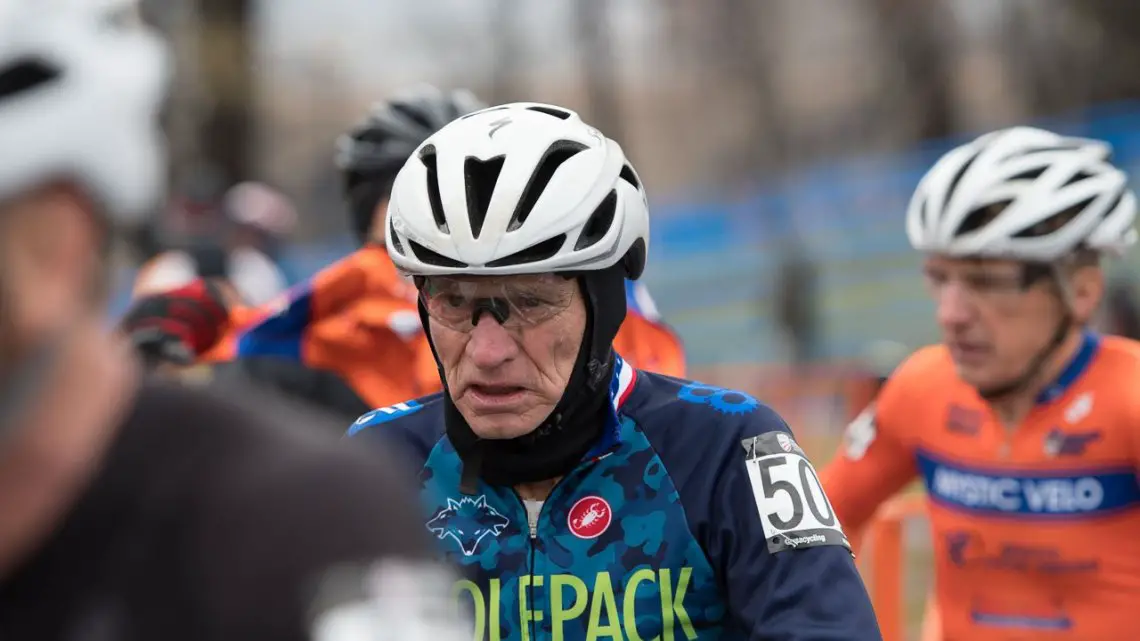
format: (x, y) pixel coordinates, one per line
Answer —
(992, 323)
(507, 344)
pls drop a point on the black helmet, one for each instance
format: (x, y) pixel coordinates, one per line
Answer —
(371, 153)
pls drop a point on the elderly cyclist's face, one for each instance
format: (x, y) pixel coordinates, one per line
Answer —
(508, 370)
(991, 323)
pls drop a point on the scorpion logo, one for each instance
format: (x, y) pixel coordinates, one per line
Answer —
(590, 517)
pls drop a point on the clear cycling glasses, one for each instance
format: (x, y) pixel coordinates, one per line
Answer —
(514, 301)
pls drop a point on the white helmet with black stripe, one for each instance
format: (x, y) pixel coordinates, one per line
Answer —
(81, 87)
(1023, 194)
(514, 189)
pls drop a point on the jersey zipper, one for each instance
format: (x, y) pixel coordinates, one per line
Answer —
(532, 519)
(532, 524)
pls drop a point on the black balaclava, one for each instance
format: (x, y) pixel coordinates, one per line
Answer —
(579, 418)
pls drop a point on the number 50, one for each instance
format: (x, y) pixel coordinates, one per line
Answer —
(797, 495)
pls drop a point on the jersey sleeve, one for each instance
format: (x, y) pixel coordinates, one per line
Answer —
(787, 567)
(874, 462)
(408, 430)
(240, 318)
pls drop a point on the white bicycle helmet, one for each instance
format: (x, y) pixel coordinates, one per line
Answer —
(1025, 194)
(81, 86)
(514, 189)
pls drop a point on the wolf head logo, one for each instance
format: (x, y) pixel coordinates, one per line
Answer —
(467, 521)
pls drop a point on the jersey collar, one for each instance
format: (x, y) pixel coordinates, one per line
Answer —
(621, 385)
(1090, 343)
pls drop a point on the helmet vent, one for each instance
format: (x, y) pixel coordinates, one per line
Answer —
(533, 254)
(962, 172)
(1078, 177)
(480, 177)
(396, 244)
(599, 223)
(550, 111)
(1056, 221)
(630, 177)
(1031, 174)
(428, 158)
(981, 217)
(557, 154)
(24, 75)
(429, 257)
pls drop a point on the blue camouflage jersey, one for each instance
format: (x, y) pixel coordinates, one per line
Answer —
(695, 517)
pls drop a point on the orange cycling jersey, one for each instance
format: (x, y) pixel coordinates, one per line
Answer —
(358, 319)
(1036, 530)
(644, 340)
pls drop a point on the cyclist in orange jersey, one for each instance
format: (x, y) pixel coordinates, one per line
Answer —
(1022, 424)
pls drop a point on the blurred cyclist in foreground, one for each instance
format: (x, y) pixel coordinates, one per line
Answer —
(586, 498)
(1022, 424)
(131, 510)
(350, 338)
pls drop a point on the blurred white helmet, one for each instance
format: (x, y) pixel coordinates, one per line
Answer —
(519, 188)
(81, 86)
(260, 206)
(1023, 194)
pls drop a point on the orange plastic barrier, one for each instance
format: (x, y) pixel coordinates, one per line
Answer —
(885, 543)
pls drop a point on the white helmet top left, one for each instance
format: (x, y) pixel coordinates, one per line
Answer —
(82, 84)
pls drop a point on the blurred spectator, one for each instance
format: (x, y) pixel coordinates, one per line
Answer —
(260, 217)
(797, 302)
(259, 221)
(236, 243)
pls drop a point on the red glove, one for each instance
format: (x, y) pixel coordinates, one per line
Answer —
(178, 325)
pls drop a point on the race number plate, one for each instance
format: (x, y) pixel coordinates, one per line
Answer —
(794, 512)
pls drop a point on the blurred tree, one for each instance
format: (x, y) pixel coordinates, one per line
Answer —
(917, 40)
(728, 47)
(176, 19)
(1047, 49)
(749, 51)
(599, 67)
(1067, 54)
(1110, 31)
(227, 71)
